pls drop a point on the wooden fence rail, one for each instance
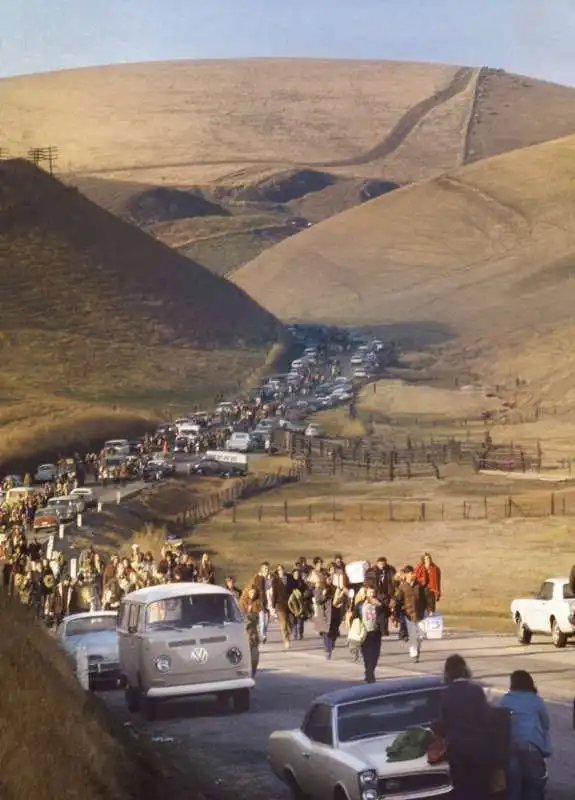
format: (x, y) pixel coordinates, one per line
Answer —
(400, 510)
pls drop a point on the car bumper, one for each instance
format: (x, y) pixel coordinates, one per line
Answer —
(195, 689)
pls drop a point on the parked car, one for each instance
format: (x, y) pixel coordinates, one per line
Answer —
(46, 473)
(86, 496)
(67, 507)
(96, 632)
(239, 442)
(551, 611)
(340, 749)
(46, 519)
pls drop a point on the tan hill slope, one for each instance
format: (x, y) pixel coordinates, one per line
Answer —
(259, 142)
(95, 311)
(486, 251)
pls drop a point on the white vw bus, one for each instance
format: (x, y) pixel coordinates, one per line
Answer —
(181, 640)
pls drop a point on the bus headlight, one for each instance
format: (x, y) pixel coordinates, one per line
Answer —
(163, 663)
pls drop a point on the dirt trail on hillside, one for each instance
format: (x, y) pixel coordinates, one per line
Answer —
(409, 121)
(399, 133)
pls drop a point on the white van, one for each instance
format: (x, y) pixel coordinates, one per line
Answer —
(18, 493)
(120, 446)
(183, 640)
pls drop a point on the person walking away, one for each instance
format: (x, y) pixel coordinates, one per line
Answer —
(411, 601)
(327, 618)
(530, 738)
(206, 571)
(263, 583)
(251, 607)
(281, 591)
(369, 611)
(385, 590)
(428, 575)
(296, 607)
(466, 723)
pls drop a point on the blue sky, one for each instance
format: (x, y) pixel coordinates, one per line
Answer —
(533, 37)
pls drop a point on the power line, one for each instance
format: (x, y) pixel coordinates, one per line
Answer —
(42, 154)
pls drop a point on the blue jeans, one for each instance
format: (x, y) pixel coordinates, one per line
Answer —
(527, 775)
(297, 629)
(264, 622)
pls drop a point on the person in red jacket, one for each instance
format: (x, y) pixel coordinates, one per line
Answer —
(428, 574)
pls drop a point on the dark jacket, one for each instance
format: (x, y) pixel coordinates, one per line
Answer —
(467, 723)
(411, 601)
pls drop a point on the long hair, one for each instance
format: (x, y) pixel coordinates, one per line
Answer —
(245, 599)
(455, 669)
(522, 681)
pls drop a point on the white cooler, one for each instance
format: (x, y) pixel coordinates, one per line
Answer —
(433, 627)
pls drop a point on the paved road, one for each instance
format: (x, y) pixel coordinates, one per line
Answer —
(230, 751)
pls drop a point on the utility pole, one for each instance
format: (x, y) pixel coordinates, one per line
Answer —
(49, 154)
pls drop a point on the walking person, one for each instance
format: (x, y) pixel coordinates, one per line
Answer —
(251, 607)
(281, 591)
(467, 724)
(530, 738)
(411, 602)
(384, 574)
(263, 583)
(328, 616)
(369, 610)
(428, 575)
(296, 606)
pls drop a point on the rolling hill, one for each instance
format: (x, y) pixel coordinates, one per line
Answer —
(95, 312)
(484, 254)
(242, 136)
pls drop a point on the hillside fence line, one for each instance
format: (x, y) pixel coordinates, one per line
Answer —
(399, 510)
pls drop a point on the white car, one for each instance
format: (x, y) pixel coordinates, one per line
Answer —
(119, 446)
(356, 359)
(340, 751)
(46, 473)
(550, 611)
(94, 631)
(86, 496)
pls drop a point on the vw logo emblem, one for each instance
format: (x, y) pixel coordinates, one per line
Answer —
(199, 655)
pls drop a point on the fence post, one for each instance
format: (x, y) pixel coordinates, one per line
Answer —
(260, 513)
(361, 511)
(391, 518)
(443, 511)
(234, 507)
(509, 507)
(422, 515)
(552, 504)
(118, 497)
(465, 510)
(563, 506)
(485, 507)
(333, 511)
(286, 515)
(309, 513)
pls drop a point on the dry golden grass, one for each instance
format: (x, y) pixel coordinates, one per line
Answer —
(483, 253)
(186, 113)
(96, 312)
(476, 556)
(55, 741)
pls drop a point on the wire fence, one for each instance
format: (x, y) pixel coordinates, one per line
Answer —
(393, 510)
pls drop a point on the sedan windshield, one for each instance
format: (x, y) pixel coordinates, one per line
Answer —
(95, 624)
(390, 714)
(190, 610)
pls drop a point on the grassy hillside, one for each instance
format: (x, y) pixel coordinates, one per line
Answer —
(486, 251)
(54, 740)
(281, 138)
(93, 311)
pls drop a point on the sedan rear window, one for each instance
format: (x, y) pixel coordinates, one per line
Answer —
(390, 714)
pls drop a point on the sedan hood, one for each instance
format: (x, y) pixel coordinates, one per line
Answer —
(102, 643)
(373, 752)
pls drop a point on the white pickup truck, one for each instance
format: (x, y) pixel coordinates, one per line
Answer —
(550, 611)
